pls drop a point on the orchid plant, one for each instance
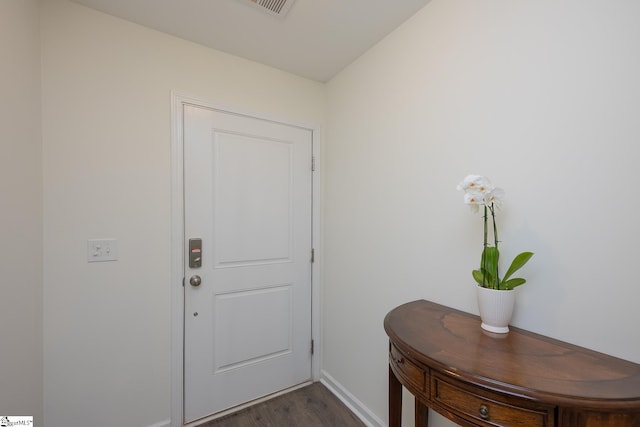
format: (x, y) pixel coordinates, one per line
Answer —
(478, 191)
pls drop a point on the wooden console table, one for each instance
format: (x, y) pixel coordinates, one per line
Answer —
(519, 379)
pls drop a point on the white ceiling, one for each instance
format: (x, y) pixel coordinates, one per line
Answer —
(316, 39)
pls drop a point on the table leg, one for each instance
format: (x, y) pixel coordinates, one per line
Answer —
(395, 400)
(421, 414)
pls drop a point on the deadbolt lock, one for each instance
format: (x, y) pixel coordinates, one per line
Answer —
(195, 253)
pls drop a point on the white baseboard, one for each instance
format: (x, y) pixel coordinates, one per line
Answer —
(358, 408)
(165, 423)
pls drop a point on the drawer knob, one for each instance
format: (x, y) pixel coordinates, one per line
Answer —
(484, 412)
(400, 360)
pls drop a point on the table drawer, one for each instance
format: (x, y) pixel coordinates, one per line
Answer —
(410, 372)
(488, 408)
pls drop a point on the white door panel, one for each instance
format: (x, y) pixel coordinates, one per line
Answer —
(253, 186)
(248, 197)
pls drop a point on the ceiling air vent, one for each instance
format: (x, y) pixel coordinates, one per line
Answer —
(274, 7)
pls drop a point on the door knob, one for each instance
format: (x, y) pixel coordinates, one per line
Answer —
(195, 280)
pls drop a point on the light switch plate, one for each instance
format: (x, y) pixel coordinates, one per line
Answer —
(102, 250)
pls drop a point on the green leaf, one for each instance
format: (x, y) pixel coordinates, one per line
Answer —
(491, 281)
(477, 275)
(489, 266)
(518, 262)
(512, 283)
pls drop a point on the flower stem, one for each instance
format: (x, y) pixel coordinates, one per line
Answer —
(495, 242)
(484, 250)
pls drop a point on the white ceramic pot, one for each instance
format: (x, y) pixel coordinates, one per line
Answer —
(496, 309)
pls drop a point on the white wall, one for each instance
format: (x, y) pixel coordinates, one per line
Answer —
(106, 124)
(20, 211)
(541, 96)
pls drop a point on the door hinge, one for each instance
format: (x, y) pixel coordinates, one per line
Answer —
(313, 255)
(183, 282)
(313, 163)
(311, 346)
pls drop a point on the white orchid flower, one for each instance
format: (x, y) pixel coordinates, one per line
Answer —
(476, 183)
(494, 196)
(474, 200)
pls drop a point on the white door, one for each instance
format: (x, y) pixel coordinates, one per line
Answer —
(247, 190)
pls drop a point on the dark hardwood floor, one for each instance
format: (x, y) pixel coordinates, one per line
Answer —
(310, 406)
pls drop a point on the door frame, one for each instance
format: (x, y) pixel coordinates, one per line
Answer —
(179, 99)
